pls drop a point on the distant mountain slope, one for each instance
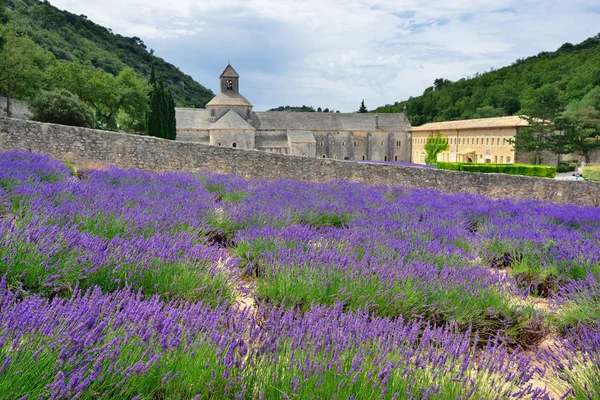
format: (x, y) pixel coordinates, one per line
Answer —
(75, 38)
(573, 69)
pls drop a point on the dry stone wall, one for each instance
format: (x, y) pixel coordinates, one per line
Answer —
(84, 146)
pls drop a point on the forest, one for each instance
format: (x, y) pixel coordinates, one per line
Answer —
(573, 70)
(74, 38)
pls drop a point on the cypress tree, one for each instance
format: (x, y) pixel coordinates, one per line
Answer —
(153, 120)
(161, 117)
(171, 112)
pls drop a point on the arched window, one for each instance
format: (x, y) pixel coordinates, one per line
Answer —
(363, 157)
(234, 144)
(398, 143)
(346, 158)
(343, 144)
(321, 143)
(355, 143)
(385, 158)
(395, 158)
(323, 155)
(218, 143)
(382, 142)
(508, 160)
(501, 159)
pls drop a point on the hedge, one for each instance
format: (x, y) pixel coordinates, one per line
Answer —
(592, 173)
(566, 168)
(542, 171)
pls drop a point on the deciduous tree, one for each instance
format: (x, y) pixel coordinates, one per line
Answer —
(22, 63)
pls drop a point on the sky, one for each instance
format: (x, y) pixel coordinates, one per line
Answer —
(335, 53)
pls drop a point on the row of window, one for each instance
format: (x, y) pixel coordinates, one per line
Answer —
(322, 143)
(470, 141)
(364, 158)
(481, 158)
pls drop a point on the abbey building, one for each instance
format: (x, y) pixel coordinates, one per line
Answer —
(228, 120)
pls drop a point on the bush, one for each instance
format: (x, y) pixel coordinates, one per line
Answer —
(61, 107)
(592, 173)
(566, 168)
(542, 171)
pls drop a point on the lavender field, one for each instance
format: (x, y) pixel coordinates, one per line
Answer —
(130, 285)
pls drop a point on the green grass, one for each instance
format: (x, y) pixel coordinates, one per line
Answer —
(25, 266)
(29, 373)
(489, 312)
(364, 383)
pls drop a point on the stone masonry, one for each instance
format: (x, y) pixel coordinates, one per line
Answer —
(82, 146)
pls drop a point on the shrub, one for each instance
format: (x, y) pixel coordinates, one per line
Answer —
(542, 171)
(592, 173)
(61, 107)
(566, 168)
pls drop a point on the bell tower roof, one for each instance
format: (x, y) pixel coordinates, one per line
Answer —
(229, 72)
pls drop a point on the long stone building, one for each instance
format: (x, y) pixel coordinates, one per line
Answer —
(228, 120)
(484, 140)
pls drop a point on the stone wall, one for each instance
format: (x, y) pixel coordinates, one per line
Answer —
(84, 146)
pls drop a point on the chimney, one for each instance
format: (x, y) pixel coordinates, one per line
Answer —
(405, 112)
(376, 121)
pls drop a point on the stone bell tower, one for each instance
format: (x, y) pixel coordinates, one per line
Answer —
(230, 81)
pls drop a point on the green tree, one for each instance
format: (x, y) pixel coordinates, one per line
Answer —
(488, 112)
(363, 108)
(434, 145)
(60, 106)
(22, 63)
(319, 109)
(579, 129)
(542, 108)
(161, 114)
(108, 95)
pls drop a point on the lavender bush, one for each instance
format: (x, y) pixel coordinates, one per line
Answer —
(125, 284)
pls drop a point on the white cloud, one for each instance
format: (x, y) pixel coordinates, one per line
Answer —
(333, 53)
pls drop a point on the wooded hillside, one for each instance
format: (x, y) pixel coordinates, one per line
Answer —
(73, 37)
(574, 70)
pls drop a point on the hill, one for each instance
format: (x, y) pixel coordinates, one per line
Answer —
(573, 69)
(73, 37)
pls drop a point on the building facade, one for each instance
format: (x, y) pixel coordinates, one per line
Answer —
(229, 120)
(483, 140)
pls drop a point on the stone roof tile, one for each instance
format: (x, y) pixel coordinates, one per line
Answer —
(315, 121)
(229, 72)
(231, 120)
(229, 99)
(499, 122)
(192, 118)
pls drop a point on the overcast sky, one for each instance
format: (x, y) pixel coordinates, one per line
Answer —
(334, 53)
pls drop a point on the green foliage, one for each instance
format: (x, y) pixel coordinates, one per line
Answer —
(301, 109)
(592, 173)
(488, 112)
(61, 107)
(435, 144)
(574, 71)
(363, 108)
(74, 38)
(161, 115)
(566, 168)
(106, 94)
(541, 171)
(22, 64)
